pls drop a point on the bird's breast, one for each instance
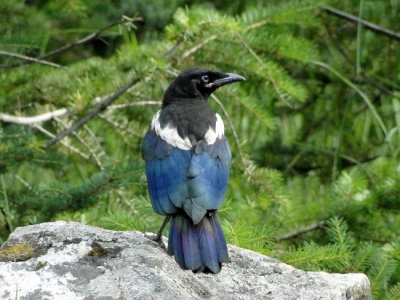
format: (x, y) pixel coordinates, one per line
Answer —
(185, 131)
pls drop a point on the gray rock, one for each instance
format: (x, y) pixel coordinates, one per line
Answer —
(67, 260)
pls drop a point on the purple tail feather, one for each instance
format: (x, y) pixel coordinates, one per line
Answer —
(200, 247)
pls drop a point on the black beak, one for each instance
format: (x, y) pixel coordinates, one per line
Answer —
(228, 78)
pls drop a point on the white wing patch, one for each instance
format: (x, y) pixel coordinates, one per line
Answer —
(171, 136)
(211, 134)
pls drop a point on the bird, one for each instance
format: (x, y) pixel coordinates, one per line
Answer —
(187, 164)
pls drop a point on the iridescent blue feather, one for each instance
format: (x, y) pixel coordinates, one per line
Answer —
(188, 184)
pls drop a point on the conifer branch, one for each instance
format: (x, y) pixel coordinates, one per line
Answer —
(235, 135)
(260, 61)
(81, 41)
(300, 231)
(171, 52)
(35, 119)
(379, 85)
(5, 208)
(26, 184)
(85, 144)
(96, 141)
(69, 147)
(118, 126)
(29, 59)
(366, 99)
(368, 25)
(92, 153)
(198, 46)
(93, 35)
(99, 108)
(138, 103)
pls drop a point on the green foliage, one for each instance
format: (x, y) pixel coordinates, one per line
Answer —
(337, 231)
(121, 219)
(394, 292)
(316, 139)
(311, 256)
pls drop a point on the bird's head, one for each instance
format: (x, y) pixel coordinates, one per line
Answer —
(198, 83)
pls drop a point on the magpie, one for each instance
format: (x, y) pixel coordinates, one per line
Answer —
(187, 162)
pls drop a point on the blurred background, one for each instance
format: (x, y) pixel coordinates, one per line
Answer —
(314, 131)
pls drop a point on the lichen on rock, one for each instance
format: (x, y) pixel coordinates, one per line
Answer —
(67, 260)
(17, 252)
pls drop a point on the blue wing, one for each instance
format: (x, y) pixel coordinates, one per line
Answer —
(192, 180)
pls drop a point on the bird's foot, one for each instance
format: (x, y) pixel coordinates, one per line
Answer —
(158, 239)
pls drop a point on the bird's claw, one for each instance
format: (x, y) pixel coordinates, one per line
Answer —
(158, 239)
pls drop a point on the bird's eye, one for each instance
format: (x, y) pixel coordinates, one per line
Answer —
(205, 78)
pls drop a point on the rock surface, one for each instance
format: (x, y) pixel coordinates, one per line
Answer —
(67, 260)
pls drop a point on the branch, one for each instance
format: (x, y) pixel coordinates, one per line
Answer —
(99, 108)
(26, 184)
(81, 41)
(5, 209)
(368, 25)
(118, 126)
(171, 52)
(69, 147)
(300, 231)
(259, 60)
(198, 46)
(29, 59)
(35, 119)
(101, 150)
(92, 36)
(235, 135)
(86, 145)
(138, 103)
(360, 92)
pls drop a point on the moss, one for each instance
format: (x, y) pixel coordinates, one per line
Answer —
(17, 252)
(97, 251)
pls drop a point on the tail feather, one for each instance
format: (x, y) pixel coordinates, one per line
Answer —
(220, 243)
(208, 249)
(199, 247)
(191, 250)
(175, 242)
